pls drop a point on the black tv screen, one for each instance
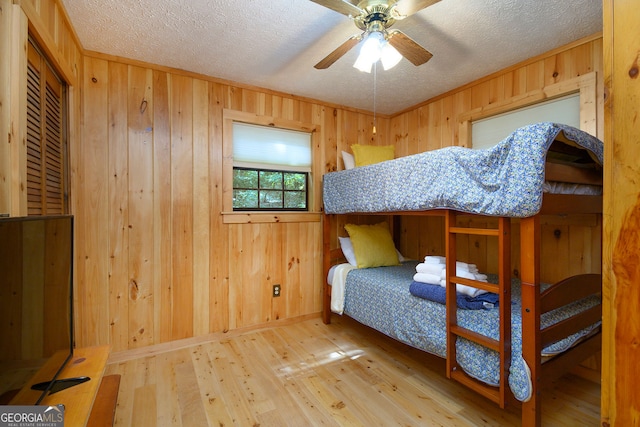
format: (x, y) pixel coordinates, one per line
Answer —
(36, 297)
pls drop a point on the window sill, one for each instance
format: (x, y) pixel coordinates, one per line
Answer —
(269, 217)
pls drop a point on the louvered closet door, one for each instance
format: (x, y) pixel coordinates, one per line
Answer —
(45, 137)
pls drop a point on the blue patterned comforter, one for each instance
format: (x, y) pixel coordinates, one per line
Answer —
(380, 298)
(505, 180)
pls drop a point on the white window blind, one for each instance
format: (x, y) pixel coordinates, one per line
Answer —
(489, 131)
(264, 147)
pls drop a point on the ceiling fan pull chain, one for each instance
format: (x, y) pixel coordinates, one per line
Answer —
(375, 75)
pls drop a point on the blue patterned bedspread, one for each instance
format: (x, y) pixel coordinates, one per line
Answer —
(380, 298)
(504, 180)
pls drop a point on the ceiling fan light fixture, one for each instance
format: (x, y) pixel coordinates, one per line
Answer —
(389, 56)
(363, 64)
(370, 51)
(375, 48)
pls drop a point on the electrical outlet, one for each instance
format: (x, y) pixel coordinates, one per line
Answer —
(276, 290)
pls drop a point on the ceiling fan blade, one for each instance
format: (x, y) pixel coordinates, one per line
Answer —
(337, 54)
(408, 48)
(406, 8)
(341, 6)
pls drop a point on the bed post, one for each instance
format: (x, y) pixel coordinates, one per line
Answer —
(326, 265)
(531, 343)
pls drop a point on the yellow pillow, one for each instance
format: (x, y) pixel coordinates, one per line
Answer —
(370, 154)
(372, 245)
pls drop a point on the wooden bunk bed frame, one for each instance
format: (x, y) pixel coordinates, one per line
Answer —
(534, 303)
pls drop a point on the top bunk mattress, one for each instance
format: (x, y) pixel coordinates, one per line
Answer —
(504, 180)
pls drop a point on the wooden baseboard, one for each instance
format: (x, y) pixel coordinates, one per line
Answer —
(156, 349)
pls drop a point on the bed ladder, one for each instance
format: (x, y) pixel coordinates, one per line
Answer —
(502, 345)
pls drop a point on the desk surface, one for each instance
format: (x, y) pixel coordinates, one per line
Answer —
(78, 400)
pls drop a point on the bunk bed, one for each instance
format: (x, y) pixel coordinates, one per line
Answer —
(538, 331)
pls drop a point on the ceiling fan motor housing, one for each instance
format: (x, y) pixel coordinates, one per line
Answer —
(375, 17)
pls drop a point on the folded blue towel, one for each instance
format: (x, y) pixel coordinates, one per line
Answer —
(439, 294)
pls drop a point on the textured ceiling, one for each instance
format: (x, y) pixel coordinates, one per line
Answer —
(275, 43)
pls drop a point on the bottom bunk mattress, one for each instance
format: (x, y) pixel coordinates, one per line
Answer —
(380, 298)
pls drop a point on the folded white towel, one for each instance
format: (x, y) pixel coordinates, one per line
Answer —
(440, 260)
(434, 259)
(462, 265)
(472, 268)
(433, 271)
(432, 279)
(466, 274)
(464, 289)
(469, 290)
(436, 269)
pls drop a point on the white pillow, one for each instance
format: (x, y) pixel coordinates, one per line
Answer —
(349, 160)
(347, 250)
(350, 255)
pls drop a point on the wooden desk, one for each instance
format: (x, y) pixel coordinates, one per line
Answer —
(78, 400)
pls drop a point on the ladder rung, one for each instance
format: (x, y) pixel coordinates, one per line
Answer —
(490, 392)
(485, 286)
(476, 337)
(475, 231)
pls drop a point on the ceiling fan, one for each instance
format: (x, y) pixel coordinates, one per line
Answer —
(374, 17)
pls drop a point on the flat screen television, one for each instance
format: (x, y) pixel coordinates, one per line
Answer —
(36, 299)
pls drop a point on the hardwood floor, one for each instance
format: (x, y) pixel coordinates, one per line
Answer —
(311, 374)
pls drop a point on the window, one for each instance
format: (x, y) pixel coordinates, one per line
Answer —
(269, 189)
(489, 131)
(573, 102)
(271, 168)
(46, 136)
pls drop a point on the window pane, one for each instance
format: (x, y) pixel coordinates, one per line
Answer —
(245, 199)
(259, 189)
(295, 181)
(489, 131)
(295, 200)
(271, 199)
(271, 180)
(243, 178)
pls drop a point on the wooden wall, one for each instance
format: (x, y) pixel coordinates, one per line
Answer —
(621, 278)
(158, 258)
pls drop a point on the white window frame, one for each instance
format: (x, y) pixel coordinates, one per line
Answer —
(487, 132)
(585, 85)
(231, 216)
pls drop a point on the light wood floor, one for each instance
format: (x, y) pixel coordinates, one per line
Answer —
(311, 374)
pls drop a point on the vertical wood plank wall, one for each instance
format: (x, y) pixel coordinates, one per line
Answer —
(155, 262)
(6, 43)
(621, 329)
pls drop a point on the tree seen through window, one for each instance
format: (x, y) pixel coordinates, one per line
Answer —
(261, 189)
